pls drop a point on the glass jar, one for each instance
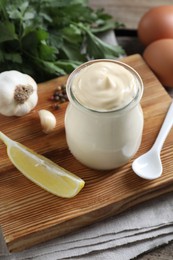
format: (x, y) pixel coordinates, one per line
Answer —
(104, 140)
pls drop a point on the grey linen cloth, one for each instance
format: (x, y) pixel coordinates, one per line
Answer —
(122, 237)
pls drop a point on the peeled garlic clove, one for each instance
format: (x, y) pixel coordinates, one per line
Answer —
(47, 120)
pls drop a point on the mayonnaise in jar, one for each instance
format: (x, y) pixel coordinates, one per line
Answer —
(104, 119)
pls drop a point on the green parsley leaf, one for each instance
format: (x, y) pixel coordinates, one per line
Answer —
(7, 31)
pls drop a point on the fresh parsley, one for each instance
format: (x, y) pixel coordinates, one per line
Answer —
(48, 38)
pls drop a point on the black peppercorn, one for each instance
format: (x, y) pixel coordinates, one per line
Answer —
(59, 96)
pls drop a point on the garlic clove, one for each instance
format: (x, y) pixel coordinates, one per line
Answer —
(47, 120)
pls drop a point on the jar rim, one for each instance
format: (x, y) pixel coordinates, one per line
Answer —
(128, 106)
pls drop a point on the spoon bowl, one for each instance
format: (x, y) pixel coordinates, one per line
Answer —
(149, 166)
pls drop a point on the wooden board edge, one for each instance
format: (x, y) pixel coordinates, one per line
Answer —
(75, 224)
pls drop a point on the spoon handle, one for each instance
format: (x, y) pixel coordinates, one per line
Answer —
(165, 129)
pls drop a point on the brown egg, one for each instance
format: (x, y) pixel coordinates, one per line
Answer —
(156, 24)
(159, 56)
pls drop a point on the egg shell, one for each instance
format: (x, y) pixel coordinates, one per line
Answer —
(159, 56)
(156, 24)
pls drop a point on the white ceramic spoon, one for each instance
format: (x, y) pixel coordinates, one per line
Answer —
(149, 165)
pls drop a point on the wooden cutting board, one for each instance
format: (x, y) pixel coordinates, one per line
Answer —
(29, 215)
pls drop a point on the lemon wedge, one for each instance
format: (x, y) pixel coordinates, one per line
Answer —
(42, 171)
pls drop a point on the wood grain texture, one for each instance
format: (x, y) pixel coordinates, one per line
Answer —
(127, 12)
(29, 215)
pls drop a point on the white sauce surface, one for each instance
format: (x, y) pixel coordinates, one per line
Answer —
(104, 86)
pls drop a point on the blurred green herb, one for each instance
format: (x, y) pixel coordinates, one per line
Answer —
(48, 38)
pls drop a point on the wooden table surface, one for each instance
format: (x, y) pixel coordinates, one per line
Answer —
(127, 12)
(118, 9)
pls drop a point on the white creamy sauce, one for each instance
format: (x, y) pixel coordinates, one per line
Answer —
(104, 86)
(104, 140)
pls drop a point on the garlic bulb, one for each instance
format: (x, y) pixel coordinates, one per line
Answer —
(18, 93)
(47, 120)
